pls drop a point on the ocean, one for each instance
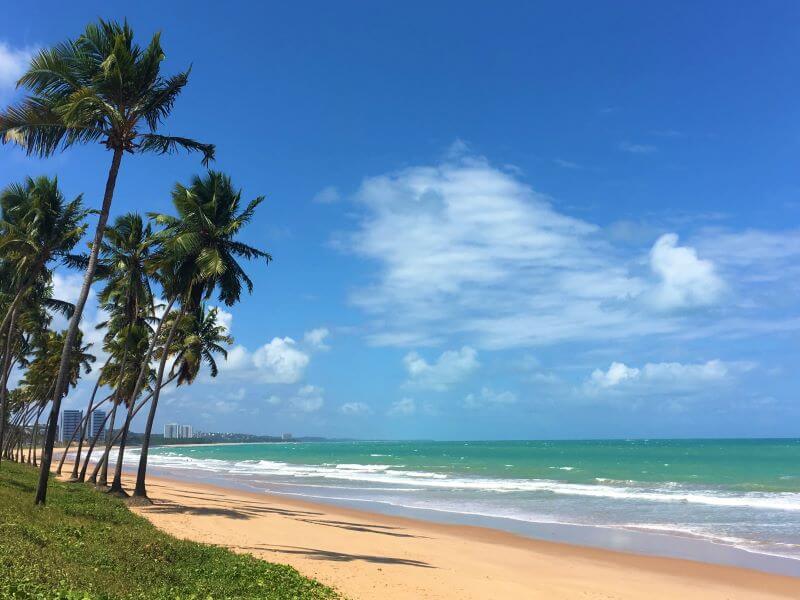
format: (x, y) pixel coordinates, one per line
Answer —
(730, 501)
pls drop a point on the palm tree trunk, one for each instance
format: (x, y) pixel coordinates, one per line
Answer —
(34, 434)
(82, 474)
(141, 490)
(72, 332)
(116, 484)
(86, 425)
(141, 404)
(5, 375)
(109, 441)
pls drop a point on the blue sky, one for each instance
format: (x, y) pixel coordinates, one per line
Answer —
(516, 220)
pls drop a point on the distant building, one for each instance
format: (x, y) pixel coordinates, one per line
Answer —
(173, 431)
(70, 422)
(286, 437)
(98, 424)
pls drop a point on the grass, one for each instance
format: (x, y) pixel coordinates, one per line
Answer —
(85, 545)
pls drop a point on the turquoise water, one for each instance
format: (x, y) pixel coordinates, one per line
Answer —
(740, 493)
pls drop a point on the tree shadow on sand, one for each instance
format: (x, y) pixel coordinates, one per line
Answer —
(328, 555)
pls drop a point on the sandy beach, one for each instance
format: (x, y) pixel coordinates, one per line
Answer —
(367, 555)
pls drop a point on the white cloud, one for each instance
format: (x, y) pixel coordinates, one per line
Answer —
(355, 408)
(327, 195)
(68, 287)
(617, 373)
(13, 63)
(225, 319)
(665, 377)
(279, 361)
(404, 407)
(316, 338)
(464, 250)
(451, 367)
(637, 148)
(489, 397)
(685, 279)
(467, 249)
(309, 398)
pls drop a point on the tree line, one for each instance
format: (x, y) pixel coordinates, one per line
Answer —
(156, 273)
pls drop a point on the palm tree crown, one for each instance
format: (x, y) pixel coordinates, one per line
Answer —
(198, 247)
(100, 87)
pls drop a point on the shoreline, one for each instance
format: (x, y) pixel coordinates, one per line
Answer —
(368, 554)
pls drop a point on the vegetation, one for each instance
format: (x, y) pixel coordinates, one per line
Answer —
(89, 546)
(104, 88)
(99, 88)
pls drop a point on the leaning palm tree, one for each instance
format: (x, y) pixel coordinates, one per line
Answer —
(101, 87)
(37, 226)
(197, 254)
(200, 337)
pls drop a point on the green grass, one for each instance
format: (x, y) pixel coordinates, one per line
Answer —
(86, 545)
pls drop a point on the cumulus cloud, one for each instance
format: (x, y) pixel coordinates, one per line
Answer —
(451, 367)
(666, 377)
(327, 195)
(617, 373)
(67, 287)
(685, 279)
(13, 62)
(225, 319)
(316, 338)
(489, 397)
(355, 408)
(278, 361)
(404, 407)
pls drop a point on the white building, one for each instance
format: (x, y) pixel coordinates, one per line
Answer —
(70, 422)
(173, 431)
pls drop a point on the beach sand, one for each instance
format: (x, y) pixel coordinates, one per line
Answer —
(367, 555)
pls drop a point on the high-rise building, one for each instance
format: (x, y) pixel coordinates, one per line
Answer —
(98, 423)
(70, 422)
(185, 431)
(170, 431)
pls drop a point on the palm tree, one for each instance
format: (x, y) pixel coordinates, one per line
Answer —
(29, 320)
(200, 337)
(197, 254)
(128, 298)
(101, 87)
(37, 226)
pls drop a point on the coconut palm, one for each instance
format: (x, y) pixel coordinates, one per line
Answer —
(200, 336)
(37, 226)
(33, 316)
(99, 88)
(197, 255)
(128, 298)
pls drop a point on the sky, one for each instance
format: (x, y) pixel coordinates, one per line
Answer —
(506, 220)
